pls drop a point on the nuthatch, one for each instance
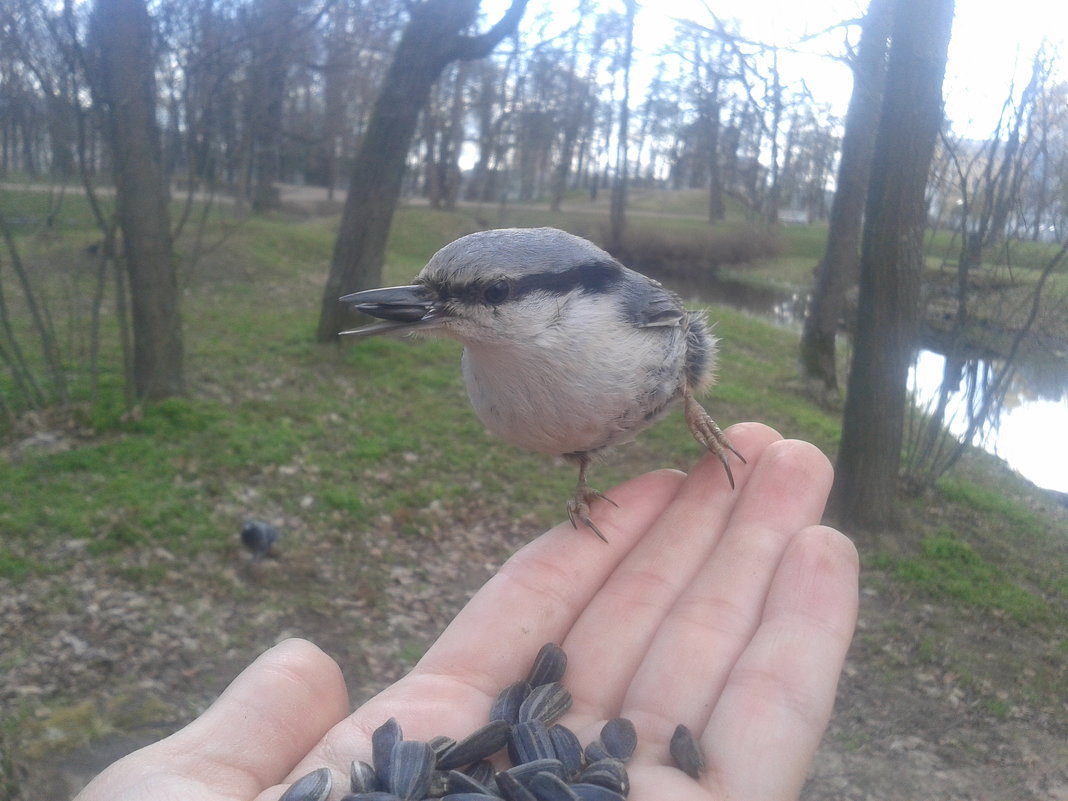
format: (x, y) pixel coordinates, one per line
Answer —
(566, 351)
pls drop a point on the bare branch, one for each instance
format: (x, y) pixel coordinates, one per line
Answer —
(474, 47)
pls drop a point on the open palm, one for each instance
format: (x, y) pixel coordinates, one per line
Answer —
(730, 612)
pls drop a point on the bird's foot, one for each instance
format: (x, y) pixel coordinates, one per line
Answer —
(705, 431)
(578, 507)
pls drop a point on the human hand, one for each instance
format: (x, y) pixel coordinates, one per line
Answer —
(730, 612)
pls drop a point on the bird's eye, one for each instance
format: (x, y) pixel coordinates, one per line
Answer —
(497, 292)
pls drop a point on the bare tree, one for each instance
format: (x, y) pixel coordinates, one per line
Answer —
(617, 218)
(44, 112)
(124, 87)
(837, 270)
(336, 72)
(812, 149)
(869, 458)
(711, 56)
(988, 191)
(34, 392)
(433, 38)
(490, 115)
(443, 137)
(577, 99)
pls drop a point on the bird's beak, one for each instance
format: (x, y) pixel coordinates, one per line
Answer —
(403, 308)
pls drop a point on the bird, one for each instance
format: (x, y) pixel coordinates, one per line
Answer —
(565, 350)
(259, 538)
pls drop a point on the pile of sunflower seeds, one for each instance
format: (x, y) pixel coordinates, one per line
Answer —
(548, 762)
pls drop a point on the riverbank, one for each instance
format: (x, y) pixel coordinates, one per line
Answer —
(128, 602)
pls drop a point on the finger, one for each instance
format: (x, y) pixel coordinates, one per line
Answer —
(614, 633)
(262, 724)
(779, 696)
(270, 716)
(533, 599)
(538, 594)
(715, 617)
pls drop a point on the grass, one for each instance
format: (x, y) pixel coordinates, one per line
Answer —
(335, 439)
(265, 398)
(990, 501)
(947, 568)
(69, 211)
(339, 437)
(269, 409)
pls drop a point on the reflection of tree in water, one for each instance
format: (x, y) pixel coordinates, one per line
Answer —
(966, 404)
(1041, 380)
(786, 308)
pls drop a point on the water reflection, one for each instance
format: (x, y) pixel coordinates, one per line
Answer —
(782, 307)
(1029, 431)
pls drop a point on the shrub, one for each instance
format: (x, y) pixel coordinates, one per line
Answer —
(677, 253)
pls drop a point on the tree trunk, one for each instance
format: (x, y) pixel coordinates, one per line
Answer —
(618, 212)
(869, 458)
(450, 157)
(716, 209)
(774, 196)
(266, 95)
(432, 183)
(125, 89)
(837, 270)
(488, 99)
(337, 71)
(432, 39)
(573, 114)
(729, 141)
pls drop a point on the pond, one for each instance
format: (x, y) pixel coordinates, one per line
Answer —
(1031, 431)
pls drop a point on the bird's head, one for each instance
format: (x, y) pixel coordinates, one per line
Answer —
(496, 287)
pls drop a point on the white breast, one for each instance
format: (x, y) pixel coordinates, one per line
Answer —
(563, 394)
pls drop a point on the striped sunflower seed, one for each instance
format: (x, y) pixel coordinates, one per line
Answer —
(362, 777)
(546, 703)
(619, 738)
(480, 744)
(686, 752)
(315, 786)
(410, 767)
(549, 665)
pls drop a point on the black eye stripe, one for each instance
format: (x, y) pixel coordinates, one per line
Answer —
(595, 277)
(592, 277)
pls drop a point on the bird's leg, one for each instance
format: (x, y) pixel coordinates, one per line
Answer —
(705, 431)
(578, 506)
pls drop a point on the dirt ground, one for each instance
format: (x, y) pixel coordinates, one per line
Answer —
(934, 703)
(136, 663)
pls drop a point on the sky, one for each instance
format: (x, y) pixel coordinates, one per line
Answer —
(991, 42)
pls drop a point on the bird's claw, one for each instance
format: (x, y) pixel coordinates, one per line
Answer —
(578, 507)
(706, 432)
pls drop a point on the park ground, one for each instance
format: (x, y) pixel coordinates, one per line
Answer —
(127, 604)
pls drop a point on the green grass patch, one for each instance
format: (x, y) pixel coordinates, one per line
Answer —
(56, 209)
(990, 500)
(948, 568)
(14, 565)
(804, 241)
(368, 428)
(418, 232)
(758, 371)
